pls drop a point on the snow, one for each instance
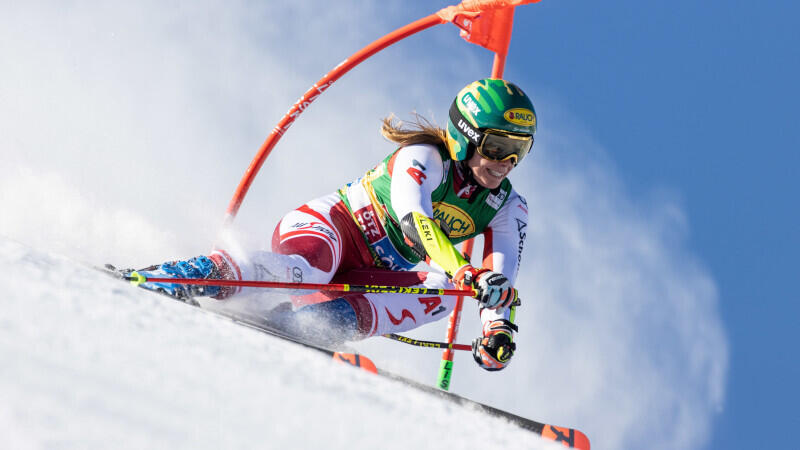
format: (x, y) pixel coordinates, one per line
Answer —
(90, 362)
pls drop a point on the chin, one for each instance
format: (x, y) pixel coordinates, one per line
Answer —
(490, 184)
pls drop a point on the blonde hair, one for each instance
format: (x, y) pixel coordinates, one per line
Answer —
(420, 131)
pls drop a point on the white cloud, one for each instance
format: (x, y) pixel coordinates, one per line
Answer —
(124, 129)
(620, 333)
(620, 302)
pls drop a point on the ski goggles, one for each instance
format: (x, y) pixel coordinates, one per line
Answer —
(498, 145)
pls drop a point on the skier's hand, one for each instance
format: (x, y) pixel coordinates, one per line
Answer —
(494, 289)
(493, 351)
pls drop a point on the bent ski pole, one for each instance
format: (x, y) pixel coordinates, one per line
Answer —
(137, 279)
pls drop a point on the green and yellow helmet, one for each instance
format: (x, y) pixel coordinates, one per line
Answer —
(490, 107)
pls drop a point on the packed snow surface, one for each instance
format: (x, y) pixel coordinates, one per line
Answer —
(90, 362)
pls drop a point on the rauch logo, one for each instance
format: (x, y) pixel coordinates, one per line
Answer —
(453, 218)
(520, 116)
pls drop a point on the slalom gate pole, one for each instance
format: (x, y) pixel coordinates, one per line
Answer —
(506, 16)
(312, 94)
(446, 366)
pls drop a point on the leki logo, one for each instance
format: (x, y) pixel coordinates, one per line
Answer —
(453, 218)
(520, 116)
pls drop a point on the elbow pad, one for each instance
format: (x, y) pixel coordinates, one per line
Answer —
(430, 243)
(411, 235)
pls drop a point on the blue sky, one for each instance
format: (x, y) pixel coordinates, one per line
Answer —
(700, 98)
(659, 261)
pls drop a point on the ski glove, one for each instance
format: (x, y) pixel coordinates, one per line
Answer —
(494, 289)
(493, 351)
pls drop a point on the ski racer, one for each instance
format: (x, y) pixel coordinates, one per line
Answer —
(439, 188)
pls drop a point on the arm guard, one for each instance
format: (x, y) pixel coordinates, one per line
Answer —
(430, 243)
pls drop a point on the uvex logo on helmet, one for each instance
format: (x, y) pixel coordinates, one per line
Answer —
(468, 131)
(470, 104)
(520, 116)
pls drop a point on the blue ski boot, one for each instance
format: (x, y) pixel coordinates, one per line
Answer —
(197, 267)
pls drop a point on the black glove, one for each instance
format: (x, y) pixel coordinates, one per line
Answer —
(493, 351)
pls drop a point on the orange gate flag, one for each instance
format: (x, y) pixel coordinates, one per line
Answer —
(484, 22)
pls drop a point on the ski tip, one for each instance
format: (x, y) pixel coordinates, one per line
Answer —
(570, 437)
(355, 360)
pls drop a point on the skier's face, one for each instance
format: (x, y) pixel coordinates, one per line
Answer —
(488, 173)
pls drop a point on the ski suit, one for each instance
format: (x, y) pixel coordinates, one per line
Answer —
(337, 236)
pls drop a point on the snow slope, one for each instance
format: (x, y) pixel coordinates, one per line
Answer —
(89, 362)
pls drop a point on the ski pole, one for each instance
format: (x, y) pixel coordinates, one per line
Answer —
(136, 279)
(429, 344)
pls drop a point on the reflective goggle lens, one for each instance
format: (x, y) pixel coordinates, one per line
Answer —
(501, 147)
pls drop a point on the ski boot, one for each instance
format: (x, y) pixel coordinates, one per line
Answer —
(197, 267)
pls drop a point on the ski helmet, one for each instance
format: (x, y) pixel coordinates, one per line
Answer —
(490, 107)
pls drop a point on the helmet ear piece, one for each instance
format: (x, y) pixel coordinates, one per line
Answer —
(457, 145)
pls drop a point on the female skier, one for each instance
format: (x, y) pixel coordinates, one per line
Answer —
(440, 187)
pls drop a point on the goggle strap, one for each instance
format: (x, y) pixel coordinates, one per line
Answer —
(464, 127)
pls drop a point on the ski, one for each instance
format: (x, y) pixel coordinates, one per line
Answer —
(569, 437)
(260, 324)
